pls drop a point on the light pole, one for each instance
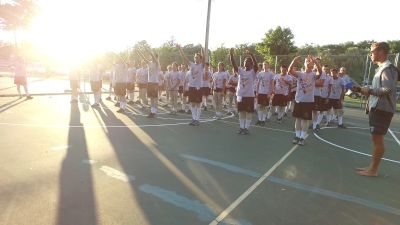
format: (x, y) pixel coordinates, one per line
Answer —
(207, 32)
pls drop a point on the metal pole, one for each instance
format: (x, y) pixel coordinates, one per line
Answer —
(366, 69)
(207, 31)
(396, 59)
(276, 62)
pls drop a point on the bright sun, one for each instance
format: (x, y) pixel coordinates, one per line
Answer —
(70, 32)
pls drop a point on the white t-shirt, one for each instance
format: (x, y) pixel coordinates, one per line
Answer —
(186, 81)
(196, 75)
(20, 69)
(245, 87)
(131, 74)
(294, 83)
(265, 82)
(323, 91)
(154, 72)
(174, 80)
(121, 73)
(232, 81)
(305, 86)
(182, 77)
(219, 78)
(141, 76)
(336, 89)
(95, 75)
(281, 87)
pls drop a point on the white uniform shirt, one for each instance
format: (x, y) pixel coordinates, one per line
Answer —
(323, 91)
(196, 75)
(305, 86)
(121, 73)
(131, 74)
(153, 72)
(294, 83)
(281, 87)
(141, 76)
(218, 79)
(265, 82)
(336, 89)
(207, 83)
(182, 76)
(245, 87)
(95, 75)
(173, 80)
(20, 69)
(232, 81)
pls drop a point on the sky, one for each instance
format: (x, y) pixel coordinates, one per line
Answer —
(96, 26)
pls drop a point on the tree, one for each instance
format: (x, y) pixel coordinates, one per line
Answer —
(277, 42)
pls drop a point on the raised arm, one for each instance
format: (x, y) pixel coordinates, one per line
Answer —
(233, 62)
(202, 56)
(294, 62)
(184, 57)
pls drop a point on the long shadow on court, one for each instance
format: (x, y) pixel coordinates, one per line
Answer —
(76, 198)
(12, 104)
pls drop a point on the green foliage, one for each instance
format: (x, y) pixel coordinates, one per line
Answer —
(17, 14)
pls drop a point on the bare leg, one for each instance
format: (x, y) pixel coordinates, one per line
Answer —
(378, 150)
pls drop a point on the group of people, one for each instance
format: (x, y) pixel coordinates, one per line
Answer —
(311, 93)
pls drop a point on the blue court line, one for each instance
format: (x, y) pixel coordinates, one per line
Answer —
(204, 213)
(298, 186)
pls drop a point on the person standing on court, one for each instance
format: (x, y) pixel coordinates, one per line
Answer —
(245, 90)
(381, 104)
(20, 74)
(195, 79)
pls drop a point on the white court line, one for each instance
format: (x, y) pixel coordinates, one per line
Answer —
(394, 136)
(266, 128)
(243, 196)
(351, 150)
(103, 126)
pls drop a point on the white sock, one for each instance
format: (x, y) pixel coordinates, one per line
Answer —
(298, 133)
(122, 105)
(198, 113)
(194, 112)
(247, 124)
(264, 115)
(328, 118)
(131, 96)
(340, 120)
(269, 114)
(260, 115)
(303, 134)
(319, 118)
(314, 124)
(242, 123)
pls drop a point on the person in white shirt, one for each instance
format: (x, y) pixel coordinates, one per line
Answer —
(323, 89)
(153, 66)
(121, 76)
(245, 90)
(182, 72)
(96, 84)
(141, 80)
(205, 85)
(335, 97)
(20, 74)
(195, 79)
(163, 84)
(173, 82)
(130, 86)
(264, 88)
(282, 85)
(186, 103)
(289, 107)
(219, 79)
(304, 96)
(74, 84)
(231, 85)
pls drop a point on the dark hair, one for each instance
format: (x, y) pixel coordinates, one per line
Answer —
(284, 66)
(326, 65)
(384, 46)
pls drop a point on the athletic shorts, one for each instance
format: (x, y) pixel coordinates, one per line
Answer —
(161, 87)
(74, 84)
(263, 99)
(334, 103)
(205, 91)
(120, 89)
(130, 87)
(195, 95)
(185, 93)
(379, 121)
(247, 105)
(95, 85)
(218, 90)
(180, 91)
(303, 110)
(20, 80)
(152, 90)
(319, 104)
(292, 95)
(231, 89)
(279, 100)
(141, 85)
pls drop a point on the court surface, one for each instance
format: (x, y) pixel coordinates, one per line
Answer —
(74, 164)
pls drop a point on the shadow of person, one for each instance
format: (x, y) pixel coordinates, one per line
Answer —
(76, 197)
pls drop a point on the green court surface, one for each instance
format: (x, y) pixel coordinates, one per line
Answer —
(74, 164)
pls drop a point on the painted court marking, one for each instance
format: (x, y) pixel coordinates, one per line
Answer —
(242, 197)
(351, 150)
(299, 186)
(394, 136)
